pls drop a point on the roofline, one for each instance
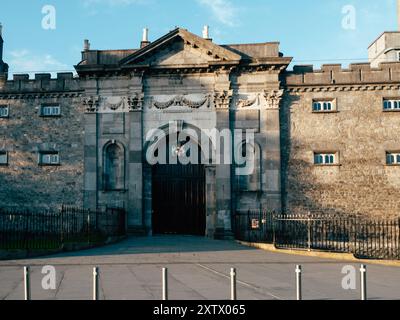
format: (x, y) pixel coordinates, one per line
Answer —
(381, 36)
(251, 44)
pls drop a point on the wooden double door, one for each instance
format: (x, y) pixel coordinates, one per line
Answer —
(179, 204)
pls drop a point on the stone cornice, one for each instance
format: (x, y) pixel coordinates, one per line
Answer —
(341, 88)
(39, 95)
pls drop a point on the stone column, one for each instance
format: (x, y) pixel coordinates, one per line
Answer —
(270, 127)
(90, 152)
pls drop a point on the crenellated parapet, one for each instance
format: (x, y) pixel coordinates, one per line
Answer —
(42, 83)
(358, 76)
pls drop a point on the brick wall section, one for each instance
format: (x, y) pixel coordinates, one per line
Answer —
(360, 131)
(23, 182)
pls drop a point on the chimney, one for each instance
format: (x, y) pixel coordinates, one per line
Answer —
(1, 43)
(206, 32)
(3, 65)
(86, 45)
(145, 38)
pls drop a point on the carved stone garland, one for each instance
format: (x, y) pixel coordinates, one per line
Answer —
(181, 101)
(243, 103)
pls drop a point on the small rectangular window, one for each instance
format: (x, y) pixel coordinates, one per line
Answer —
(3, 158)
(393, 158)
(325, 158)
(324, 106)
(49, 158)
(391, 104)
(4, 111)
(50, 111)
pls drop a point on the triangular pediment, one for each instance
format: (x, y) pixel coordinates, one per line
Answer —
(180, 47)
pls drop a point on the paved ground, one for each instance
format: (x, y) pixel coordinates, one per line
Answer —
(198, 270)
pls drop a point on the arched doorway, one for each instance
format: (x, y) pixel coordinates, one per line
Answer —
(178, 195)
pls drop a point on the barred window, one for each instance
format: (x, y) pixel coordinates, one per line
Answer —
(323, 106)
(4, 111)
(325, 158)
(49, 158)
(3, 158)
(50, 111)
(393, 158)
(391, 104)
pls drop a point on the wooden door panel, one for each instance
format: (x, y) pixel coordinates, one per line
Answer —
(179, 199)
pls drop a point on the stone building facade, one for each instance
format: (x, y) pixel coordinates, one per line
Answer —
(324, 140)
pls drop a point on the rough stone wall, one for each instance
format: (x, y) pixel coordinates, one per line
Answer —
(361, 132)
(23, 182)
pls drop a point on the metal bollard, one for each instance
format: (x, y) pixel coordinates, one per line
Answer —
(363, 271)
(233, 284)
(165, 284)
(95, 283)
(298, 283)
(27, 283)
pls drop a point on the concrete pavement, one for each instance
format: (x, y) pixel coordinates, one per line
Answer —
(198, 270)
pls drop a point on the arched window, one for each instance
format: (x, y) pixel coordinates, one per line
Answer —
(251, 179)
(114, 167)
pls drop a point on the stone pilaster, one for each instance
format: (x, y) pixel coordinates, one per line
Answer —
(147, 199)
(90, 151)
(135, 178)
(222, 101)
(211, 201)
(270, 128)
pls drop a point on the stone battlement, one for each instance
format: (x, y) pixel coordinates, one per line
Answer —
(333, 74)
(42, 82)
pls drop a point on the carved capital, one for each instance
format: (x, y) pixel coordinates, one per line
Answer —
(273, 98)
(135, 102)
(222, 99)
(91, 103)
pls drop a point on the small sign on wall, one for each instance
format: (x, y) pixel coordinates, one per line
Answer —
(255, 224)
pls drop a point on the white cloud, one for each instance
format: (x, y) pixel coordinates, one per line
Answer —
(223, 10)
(23, 61)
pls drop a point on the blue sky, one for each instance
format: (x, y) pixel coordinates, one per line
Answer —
(309, 30)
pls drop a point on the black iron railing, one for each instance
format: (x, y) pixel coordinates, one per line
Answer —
(364, 237)
(55, 229)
